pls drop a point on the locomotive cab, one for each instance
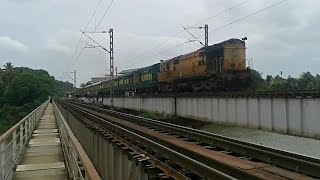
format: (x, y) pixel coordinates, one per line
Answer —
(234, 57)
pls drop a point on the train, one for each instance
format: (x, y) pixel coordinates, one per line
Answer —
(218, 67)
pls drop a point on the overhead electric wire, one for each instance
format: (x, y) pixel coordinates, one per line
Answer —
(192, 35)
(95, 29)
(99, 45)
(228, 24)
(179, 32)
(172, 48)
(245, 17)
(222, 12)
(76, 50)
(214, 16)
(93, 14)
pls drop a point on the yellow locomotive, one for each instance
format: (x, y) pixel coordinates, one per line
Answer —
(216, 67)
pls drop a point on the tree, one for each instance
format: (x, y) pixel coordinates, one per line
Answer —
(1, 76)
(307, 81)
(82, 85)
(269, 79)
(8, 72)
(257, 80)
(26, 90)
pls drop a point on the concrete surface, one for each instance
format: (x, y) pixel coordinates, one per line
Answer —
(296, 116)
(43, 157)
(300, 145)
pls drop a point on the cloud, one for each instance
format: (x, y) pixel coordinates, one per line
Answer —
(7, 43)
(283, 38)
(64, 42)
(274, 36)
(59, 48)
(131, 50)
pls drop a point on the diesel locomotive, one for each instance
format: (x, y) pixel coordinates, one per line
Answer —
(219, 67)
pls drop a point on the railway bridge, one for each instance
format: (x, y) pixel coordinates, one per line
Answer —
(74, 140)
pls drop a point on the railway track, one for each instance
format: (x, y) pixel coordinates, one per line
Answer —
(259, 94)
(223, 157)
(239, 94)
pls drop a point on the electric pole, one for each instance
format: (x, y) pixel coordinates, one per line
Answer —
(111, 70)
(206, 35)
(111, 53)
(75, 78)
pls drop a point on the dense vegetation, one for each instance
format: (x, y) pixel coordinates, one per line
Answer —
(306, 81)
(22, 90)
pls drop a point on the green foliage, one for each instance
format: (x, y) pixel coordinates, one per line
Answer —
(23, 89)
(306, 81)
(257, 80)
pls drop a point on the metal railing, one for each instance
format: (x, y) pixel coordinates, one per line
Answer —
(77, 161)
(13, 141)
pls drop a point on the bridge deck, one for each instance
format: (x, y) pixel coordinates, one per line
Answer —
(43, 157)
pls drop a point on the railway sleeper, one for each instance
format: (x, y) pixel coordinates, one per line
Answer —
(235, 172)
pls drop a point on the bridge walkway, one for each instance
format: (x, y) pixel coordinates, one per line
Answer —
(43, 156)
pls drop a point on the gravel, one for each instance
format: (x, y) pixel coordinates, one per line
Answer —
(300, 145)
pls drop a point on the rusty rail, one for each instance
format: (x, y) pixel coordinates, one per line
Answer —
(237, 94)
(231, 94)
(77, 161)
(288, 160)
(196, 166)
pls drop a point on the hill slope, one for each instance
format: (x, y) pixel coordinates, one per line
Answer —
(22, 90)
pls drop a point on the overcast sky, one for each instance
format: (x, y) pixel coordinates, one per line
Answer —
(44, 33)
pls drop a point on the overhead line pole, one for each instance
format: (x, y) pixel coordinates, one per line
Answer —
(111, 53)
(75, 78)
(206, 34)
(192, 35)
(111, 70)
(95, 41)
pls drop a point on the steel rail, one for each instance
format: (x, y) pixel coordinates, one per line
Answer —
(135, 151)
(238, 94)
(79, 164)
(195, 166)
(288, 160)
(215, 158)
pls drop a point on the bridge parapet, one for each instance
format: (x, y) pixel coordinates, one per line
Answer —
(77, 161)
(289, 115)
(13, 141)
